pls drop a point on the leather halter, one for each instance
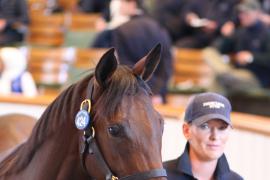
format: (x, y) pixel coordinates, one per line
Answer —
(88, 146)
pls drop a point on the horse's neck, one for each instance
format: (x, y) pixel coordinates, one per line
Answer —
(57, 158)
(8, 152)
(53, 146)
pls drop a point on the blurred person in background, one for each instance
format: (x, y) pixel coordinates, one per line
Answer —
(202, 21)
(14, 78)
(96, 6)
(169, 14)
(13, 21)
(207, 126)
(93, 6)
(265, 13)
(133, 34)
(248, 47)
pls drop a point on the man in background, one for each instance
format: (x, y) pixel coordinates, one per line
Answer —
(133, 34)
(13, 21)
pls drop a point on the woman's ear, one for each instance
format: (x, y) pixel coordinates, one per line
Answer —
(186, 130)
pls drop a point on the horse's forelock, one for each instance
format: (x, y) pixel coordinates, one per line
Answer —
(123, 82)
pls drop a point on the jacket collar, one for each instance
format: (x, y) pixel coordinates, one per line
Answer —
(184, 164)
(222, 167)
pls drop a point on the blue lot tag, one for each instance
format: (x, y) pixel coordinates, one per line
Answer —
(82, 120)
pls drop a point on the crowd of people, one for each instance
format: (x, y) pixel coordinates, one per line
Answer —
(238, 28)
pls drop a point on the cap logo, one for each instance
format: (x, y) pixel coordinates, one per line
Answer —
(214, 105)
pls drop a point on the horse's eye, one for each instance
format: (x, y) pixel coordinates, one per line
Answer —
(115, 130)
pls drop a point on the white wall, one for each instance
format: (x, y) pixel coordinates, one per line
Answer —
(31, 110)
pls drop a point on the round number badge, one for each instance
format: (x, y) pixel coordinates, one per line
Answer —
(82, 120)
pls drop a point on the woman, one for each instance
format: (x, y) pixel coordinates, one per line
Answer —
(207, 128)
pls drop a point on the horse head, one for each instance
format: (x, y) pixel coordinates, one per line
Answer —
(128, 130)
(102, 127)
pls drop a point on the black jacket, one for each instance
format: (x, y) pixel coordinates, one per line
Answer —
(180, 169)
(169, 14)
(219, 11)
(95, 6)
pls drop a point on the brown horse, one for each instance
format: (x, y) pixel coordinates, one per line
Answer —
(118, 134)
(14, 129)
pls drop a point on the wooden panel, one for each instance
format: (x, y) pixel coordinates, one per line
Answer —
(47, 20)
(48, 53)
(200, 70)
(49, 66)
(52, 79)
(88, 58)
(46, 30)
(191, 80)
(83, 21)
(46, 36)
(68, 5)
(170, 111)
(190, 67)
(189, 55)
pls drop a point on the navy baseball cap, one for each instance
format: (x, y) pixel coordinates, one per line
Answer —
(206, 106)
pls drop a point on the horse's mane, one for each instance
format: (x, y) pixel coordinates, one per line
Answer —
(54, 117)
(63, 108)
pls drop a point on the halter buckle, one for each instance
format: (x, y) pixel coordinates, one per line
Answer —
(114, 178)
(88, 102)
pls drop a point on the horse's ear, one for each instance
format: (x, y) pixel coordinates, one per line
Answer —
(106, 67)
(148, 64)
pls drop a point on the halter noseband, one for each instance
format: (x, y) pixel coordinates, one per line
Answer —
(88, 145)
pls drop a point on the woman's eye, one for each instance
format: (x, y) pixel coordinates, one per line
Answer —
(115, 130)
(204, 126)
(223, 127)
